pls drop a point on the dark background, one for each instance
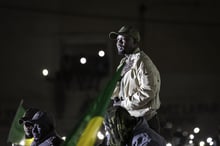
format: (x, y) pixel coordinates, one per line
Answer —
(180, 36)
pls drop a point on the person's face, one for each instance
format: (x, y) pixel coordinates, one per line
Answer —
(28, 129)
(38, 131)
(125, 44)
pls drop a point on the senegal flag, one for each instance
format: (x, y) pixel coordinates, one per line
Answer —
(86, 130)
(16, 133)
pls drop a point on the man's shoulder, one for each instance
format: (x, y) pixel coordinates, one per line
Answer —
(142, 57)
(142, 54)
(52, 141)
(56, 140)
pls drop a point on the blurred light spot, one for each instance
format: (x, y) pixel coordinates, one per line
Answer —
(196, 130)
(168, 144)
(22, 142)
(201, 143)
(101, 53)
(190, 142)
(209, 139)
(211, 143)
(45, 72)
(100, 135)
(83, 60)
(191, 136)
(64, 138)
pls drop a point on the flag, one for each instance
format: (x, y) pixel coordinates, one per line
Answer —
(84, 134)
(16, 133)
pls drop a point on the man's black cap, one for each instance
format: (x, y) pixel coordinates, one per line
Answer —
(42, 118)
(28, 115)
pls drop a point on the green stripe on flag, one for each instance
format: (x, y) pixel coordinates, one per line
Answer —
(84, 133)
(16, 133)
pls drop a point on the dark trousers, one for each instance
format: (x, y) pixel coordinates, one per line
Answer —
(154, 123)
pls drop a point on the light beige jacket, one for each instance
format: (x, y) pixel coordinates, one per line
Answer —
(139, 87)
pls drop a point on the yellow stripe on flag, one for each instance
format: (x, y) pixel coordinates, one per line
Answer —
(88, 137)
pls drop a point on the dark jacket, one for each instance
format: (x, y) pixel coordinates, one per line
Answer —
(143, 135)
(126, 130)
(52, 140)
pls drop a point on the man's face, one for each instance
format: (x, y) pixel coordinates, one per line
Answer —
(39, 131)
(125, 44)
(28, 129)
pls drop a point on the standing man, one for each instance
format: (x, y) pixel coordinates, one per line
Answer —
(138, 89)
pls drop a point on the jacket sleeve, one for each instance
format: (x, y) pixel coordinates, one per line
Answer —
(117, 87)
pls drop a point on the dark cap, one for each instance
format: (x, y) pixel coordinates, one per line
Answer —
(38, 116)
(126, 30)
(43, 118)
(28, 115)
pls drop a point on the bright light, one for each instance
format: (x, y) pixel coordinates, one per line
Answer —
(83, 60)
(168, 144)
(45, 72)
(101, 53)
(22, 142)
(100, 135)
(201, 143)
(209, 139)
(190, 142)
(64, 138)
(211, 143)
(196, 130)
(191, 136)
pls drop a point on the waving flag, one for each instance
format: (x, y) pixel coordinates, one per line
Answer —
(85, 132)
(16, 133)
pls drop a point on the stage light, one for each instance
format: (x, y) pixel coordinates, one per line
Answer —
(168, 144)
